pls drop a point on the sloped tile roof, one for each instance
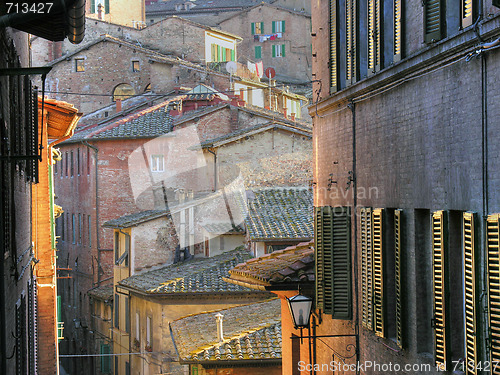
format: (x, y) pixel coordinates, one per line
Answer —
(151, 122)
(290, 265)
(198, 275)
(134, 219)
(104, 292)
(280, 213)
(223, 228)
(251, 332)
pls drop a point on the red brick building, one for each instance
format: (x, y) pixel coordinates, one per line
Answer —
(406, 124)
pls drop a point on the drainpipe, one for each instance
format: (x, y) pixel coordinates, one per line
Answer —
(96, 151)
(354, 185)
(215, 167)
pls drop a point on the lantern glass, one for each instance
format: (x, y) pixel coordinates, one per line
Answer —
(300, 309)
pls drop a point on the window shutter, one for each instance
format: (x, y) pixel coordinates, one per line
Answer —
(433, 20)
(378, 272)
(105, 359)
(258, 52)
(127, 315)
(274, 26)
(467, 12)
(366, 267)
(233, 56)
(334, 80)
(282, 50)
(398, 30)
(117, 311)
(282, 26)
(440, 287)
(493, 264)
(323, 237)
(374, 38)
(92, 6)
(333, 260)
(351, 42)
(274, 50)
(223, 50)
(253, 28)
(471, 296)
(398, 265)
(106, 6)
(262, 27)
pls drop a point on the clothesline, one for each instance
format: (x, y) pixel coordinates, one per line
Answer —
(265, 37)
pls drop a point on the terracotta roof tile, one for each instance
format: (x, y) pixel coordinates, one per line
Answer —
(251, 332)
(295, 263)
(104, 292)
(198, 275)
(280, 213)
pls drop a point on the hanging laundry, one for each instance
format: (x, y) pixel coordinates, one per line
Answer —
(260, 68)
(279, 35)
(256, 38)
(273, 37)
(252, 67)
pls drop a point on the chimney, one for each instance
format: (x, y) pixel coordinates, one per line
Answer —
(99, 11)
(220, 332)
(118, 105)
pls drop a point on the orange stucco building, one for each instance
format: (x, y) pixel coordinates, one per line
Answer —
(57, 122)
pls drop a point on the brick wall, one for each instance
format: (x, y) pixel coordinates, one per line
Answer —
(297, 39)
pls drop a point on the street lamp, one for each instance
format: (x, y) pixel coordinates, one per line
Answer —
(300, 309)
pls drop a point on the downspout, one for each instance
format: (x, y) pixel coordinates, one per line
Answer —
(354, 185)
(98, 245)
(215, 167)
(3, 344)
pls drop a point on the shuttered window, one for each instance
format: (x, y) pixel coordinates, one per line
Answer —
(258, 52)
(471, 295)
(334, 50)
(92, 6)
(278, 27)
(440, 288)
(398, 30)
(106, 6)
(378, 273)
(366, 267)
(468, 10)
(117, 311)
(374, 36)
(257, 28)
(333, 260)
(351, 41)
(493, 264)
(398, 269)
(433, 20)
(105, 359)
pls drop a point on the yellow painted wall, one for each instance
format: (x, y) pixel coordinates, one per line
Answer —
(123, 12)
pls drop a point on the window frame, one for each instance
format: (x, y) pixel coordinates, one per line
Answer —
(136, 66)
(155, 167)
(79, 65)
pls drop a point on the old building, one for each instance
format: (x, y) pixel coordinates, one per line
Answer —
(279, 37)
(406, 181)
(27, 270)
(129, 13)
(147, 302)
(285, 273)
(239, 340)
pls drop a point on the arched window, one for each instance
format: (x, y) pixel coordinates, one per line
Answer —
(123, 91)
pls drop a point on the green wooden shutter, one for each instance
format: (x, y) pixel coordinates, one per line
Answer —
(258, 52)
(378, 272)
(351, 42)
(397, 27)
(105, 359)
(374, 36)
(106, 6)
(323, 242)
(117, 311)
(334, 36)
(127, 315)
(262, 27)
(273, 50)
(92, 6)
(253, 28)
(471, 299)
(433, 20)
(274, 27)
(233, 55)
(440, 288)
(493, 264)
(282, 50)
(282, 26)
(366, 267)
(398, 266)
(223, 50)
(333, 260)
